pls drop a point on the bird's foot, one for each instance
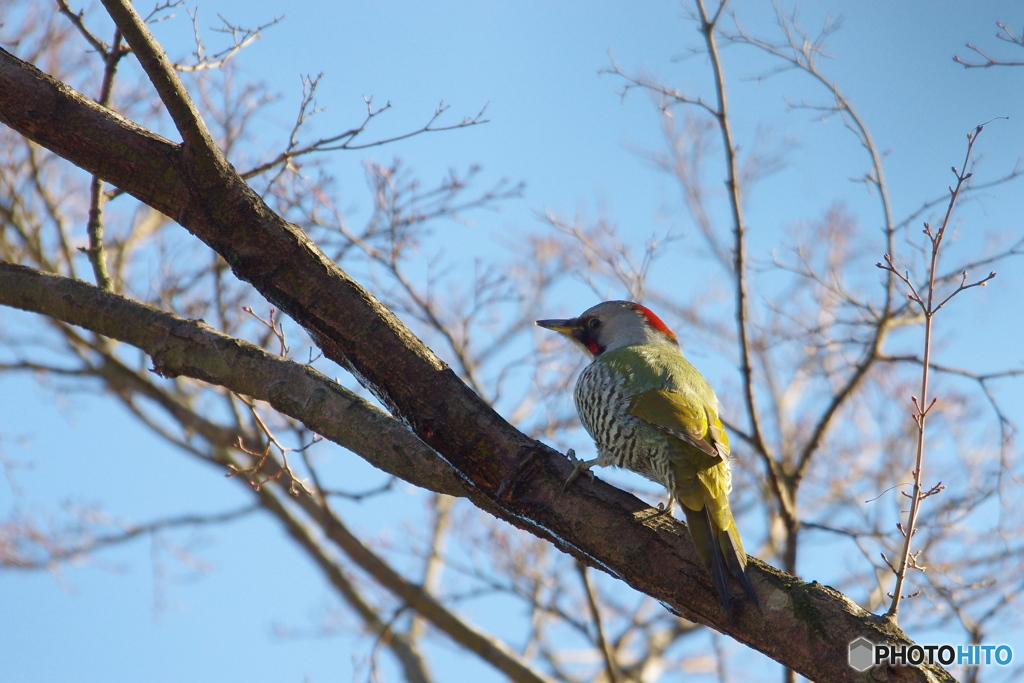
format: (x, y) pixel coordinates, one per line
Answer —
(665, 510)
(578, 467)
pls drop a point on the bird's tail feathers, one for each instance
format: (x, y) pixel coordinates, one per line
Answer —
(720, 550)
(736, 559)
(706, 542)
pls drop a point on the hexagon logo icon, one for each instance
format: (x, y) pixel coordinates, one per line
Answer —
(862, 654)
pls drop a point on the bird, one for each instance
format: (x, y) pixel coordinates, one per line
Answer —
(650, 411)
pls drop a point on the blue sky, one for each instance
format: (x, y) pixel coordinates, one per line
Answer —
(561, 128)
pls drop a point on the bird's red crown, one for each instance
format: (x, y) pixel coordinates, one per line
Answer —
(654, 321)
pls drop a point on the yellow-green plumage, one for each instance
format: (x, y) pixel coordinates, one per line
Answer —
(650, 411)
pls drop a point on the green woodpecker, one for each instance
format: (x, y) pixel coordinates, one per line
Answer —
(650, 411)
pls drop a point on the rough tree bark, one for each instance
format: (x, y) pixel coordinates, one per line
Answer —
(472, 450)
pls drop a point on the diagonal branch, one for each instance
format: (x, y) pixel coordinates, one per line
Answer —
(194, 349)
(164, 77)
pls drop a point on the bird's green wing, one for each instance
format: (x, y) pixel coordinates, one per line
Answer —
(670, 412)
(716, 433)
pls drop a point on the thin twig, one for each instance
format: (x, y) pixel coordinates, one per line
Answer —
(783, 491)
(922, 406)
(1004, 34)
(609, 659)
(94, 227)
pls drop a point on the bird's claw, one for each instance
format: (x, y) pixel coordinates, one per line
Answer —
(664, 509)
(578, 467)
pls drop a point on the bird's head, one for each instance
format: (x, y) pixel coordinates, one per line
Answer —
(613, 325)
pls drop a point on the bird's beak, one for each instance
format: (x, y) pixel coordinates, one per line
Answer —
(566, 327)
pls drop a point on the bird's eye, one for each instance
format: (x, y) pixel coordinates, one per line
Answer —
(593, 323)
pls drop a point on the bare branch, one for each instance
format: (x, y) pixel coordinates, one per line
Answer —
(1004, 34)
(929, 308)
(54, 551)
(611, 668)
(240, 38)
(183, 347)
(347, 139)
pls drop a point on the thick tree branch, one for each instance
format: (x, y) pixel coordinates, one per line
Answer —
(805, 626)
(194, 349)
